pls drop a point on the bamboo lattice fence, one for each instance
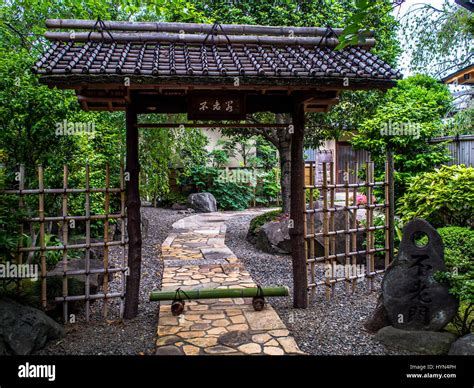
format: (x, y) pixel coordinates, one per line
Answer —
(353, 244)
(65, 220)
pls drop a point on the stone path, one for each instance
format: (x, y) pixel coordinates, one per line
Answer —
(195, 256)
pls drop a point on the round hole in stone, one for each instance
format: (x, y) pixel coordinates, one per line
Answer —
(420, 239)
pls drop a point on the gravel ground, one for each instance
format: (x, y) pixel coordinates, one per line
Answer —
(115, 336)
(324, 328)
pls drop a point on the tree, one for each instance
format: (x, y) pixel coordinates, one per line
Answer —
(293, 13)
(408, 117)
(438, 39)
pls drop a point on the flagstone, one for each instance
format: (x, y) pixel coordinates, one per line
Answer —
(191, 350)
(250, 348)
(219, 349)
(191, 334)
(261, 338)
(220, 323)
(289, 344)
(273, 351)
(167, 340)
(238, 319)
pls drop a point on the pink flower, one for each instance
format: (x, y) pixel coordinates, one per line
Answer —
(362, 199)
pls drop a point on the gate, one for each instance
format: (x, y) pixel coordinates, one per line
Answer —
(348, 234)
(34, 227)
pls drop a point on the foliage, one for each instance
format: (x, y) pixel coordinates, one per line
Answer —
(460, 123)
(171, 197)
(238, 146)
(438, 40)
(444, 196)
(408, 117)
(218, 158)
(262, 219)
(229, 194)
(459, 258)
(379, 220)
(268, 186)
(235, 189)
(162, 148)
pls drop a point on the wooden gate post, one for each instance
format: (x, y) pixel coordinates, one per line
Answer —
(133, 215)
(297, 207)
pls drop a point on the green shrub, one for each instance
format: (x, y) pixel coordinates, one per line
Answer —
(443, 197)
(170, 198)
(459, 258)
(262, 219)
(379, 242)
(268, 187)
(233, 190)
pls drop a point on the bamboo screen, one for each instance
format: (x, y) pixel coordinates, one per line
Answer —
(347, 232)
(65, 220)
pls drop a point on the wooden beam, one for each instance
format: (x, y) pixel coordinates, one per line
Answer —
(148, 82)
(133, 215)
(210, 125)
(297, 208)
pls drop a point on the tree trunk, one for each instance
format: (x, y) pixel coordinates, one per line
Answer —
(285, 178)
(284, 149)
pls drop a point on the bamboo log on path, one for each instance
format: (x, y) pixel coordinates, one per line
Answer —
(216, 293)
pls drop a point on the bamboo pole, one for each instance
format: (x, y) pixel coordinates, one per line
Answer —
(21, 205)
(153, 37)
(106, 238)
(325, 232)
(88, 241)
(387, 215)
(311, 224)
(369, 258)
(65, 241)
(203, 28)
(44, 300)
(71, 246)
(57, 191)
(122, 238)
(347, 226)
(391, 204)
(332, 227)
(354, 224)
(214, 293)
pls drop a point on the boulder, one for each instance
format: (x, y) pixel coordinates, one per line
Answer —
(274, 237)
(379, 318)
(202, 202)
(463, 346)
(416, 341)
(412, 297)
(24, 329)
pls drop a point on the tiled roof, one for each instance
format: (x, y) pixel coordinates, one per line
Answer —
(268, 53)
(196, 60)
